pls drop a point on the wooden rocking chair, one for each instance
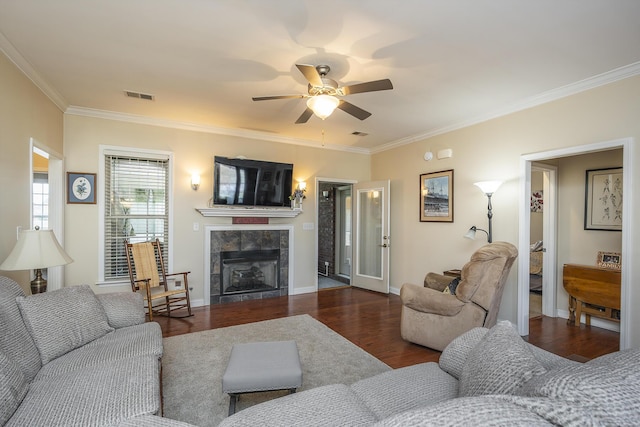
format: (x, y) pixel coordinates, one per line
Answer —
(148, 275)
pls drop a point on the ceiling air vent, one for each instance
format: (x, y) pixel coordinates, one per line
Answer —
(358, 133)
(138, 95)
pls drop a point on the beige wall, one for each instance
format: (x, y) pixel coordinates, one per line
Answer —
(575, 244)
(25, 112)
(492, 150)
(193, 152)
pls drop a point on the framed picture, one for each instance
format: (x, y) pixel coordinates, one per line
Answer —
(81, 187)
(603, 200)
(436, 196)
(612, 260)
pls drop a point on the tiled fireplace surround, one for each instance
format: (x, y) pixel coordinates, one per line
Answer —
(247, 238)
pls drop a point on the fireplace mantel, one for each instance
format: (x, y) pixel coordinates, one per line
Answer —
(249, 212)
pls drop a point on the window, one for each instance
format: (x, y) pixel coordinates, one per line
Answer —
(41, 200)
(136, 206)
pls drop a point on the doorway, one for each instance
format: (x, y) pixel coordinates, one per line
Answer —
(47, 210)
(550, 258)
(335, 213)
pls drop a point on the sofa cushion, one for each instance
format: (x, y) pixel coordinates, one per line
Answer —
(607, 389)
(119, 390)
(454, 356)
(331, 405)
(13, 388)
(467, 411)
(133, 341)
(123, 308)
(62, 320)
(407, 388)
(15, 340)
(499, 364)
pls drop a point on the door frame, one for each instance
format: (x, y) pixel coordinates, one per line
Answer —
(318, 181)
(549, 237)
(56, 178)
(524, 231)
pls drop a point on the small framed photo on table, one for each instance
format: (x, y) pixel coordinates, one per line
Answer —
(611, 260)
(81, 187)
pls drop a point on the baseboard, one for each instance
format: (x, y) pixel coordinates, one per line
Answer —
(595, 321)
(395, 291)
(304, 290)
(197, 303)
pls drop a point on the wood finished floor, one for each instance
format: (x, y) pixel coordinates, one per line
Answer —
(372, 321)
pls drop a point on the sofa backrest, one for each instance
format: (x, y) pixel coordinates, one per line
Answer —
(484, 276)
(15, 341)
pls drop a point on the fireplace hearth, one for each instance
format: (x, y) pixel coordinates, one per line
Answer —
(248, 262)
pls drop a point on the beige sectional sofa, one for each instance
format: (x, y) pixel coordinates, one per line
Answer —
(71, 358)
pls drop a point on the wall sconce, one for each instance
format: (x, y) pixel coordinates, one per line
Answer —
(488, 188)
(325, 194)
(195, 181)
(302, 185)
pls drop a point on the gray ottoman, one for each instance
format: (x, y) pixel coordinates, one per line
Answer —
(261, 366)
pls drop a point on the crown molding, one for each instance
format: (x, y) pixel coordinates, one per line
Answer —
(612, 76)
(240, 133)
(23, 65)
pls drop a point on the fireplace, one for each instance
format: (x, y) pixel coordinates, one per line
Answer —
(249, 271)
(246, 262)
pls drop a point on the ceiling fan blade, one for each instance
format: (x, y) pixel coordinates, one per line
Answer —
(305, 116)
(373, 86)
(311, 74)
(356, 112)
(267, 98)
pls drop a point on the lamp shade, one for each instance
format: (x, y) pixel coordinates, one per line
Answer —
(488, 187)
(471, 234)
(323, 105)
(36, 249)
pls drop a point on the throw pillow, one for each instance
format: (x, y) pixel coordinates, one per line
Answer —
(63, 320)
(13, 388)
(499, 364)
(606, 388)
(123, 308)
(450, 289)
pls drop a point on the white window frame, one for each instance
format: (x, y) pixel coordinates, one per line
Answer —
(109, 150)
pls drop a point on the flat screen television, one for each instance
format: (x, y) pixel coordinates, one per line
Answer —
(244, 182)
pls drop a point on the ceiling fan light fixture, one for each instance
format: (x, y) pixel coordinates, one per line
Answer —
(323, 105)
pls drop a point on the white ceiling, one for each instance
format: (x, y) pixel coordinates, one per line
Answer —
(452, 62)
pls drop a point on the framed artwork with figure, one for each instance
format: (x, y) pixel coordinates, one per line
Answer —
(436, 196)
(603, 199)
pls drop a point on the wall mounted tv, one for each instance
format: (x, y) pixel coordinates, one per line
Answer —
(244, 182)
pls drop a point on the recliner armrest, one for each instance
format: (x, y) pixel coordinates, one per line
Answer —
(429, 300)
(123, 308)
(437, 281)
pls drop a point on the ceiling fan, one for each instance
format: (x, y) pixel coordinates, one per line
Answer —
(323, 94)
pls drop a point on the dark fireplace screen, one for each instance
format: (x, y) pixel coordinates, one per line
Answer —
(249, 271)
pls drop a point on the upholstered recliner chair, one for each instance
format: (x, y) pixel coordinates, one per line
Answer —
(433, 318)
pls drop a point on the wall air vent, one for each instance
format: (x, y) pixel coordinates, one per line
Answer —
(139, 95)
(358, 133)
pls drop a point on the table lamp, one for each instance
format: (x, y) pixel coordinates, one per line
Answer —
(36, 249)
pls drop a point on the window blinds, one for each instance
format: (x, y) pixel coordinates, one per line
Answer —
(136, 208)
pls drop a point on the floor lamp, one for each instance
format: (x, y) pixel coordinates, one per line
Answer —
(488, 188)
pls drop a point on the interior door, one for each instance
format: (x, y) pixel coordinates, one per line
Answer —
(371, 239)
